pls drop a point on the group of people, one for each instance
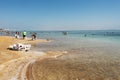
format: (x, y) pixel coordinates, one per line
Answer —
(24, 34)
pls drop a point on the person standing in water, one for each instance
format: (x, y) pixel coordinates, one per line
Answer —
(34, 36)
(24, 34)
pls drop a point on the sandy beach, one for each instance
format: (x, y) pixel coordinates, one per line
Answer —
(94, 60)
(14, 65)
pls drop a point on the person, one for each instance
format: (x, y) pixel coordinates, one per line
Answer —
(65, 33)
(85, 35)
(16, 34)
(24, 34)
(34, 36)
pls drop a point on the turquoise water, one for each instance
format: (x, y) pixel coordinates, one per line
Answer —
(110, 35)
(73, 39)
(105, 34)
(76, 39)
(79, 33)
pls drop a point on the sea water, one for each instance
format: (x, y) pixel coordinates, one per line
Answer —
(74, 39)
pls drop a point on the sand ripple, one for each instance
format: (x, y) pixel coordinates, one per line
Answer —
(21, 68)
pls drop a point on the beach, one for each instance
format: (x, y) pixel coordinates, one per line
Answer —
(59, 39)
(14, 64)
(90, 59)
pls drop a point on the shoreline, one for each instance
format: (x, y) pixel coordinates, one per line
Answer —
(90, 60)
(17, 62)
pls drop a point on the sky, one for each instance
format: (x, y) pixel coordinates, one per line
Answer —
(60, 14)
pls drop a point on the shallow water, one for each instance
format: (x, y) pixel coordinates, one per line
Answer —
(91, 57)
(74, 39)
(88, 58)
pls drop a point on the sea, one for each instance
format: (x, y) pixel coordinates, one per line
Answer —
(92, 53)
(68, 40)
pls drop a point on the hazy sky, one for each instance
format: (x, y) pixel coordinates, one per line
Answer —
(60, 14)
